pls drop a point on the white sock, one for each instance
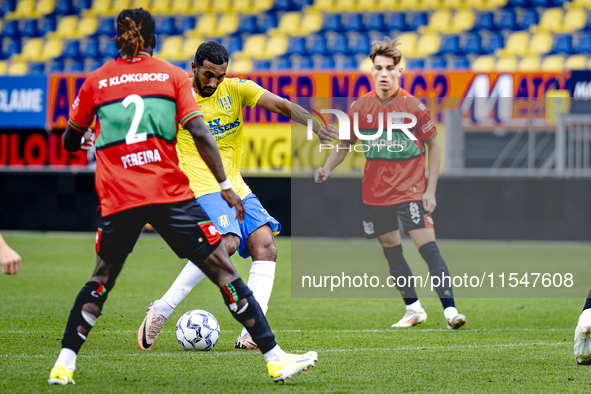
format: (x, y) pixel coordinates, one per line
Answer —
(586, 315)
(274, 355)
(189, 277)
(450, 313)
(260, 281)
(67, 358)
(414, 307)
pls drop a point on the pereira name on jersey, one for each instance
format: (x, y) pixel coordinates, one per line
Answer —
(138, 106)
(395, 169)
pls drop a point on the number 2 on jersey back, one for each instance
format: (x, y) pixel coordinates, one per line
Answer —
(132, 137)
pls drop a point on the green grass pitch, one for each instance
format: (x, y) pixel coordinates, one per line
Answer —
(509, 345)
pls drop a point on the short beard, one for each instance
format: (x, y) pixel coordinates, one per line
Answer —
(200, 88)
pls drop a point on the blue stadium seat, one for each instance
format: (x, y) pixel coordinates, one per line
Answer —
(374, 22)
(527, 18)
(359, 44)
(262, 66)
(7, 6)
(93, 65)
(29, 28)
(450, 44)
(283, 64)
(110, 50)
(187, 23)
(493, 42)
(165, 26)
(559, 3)
(248, 25)
(181, 65)
(266, 21)
(296, 46)
(299, 4)
(415, 64)
(332, 22)
(57, 66)
(505, 20)
(233, 44)
(438, 62)
(584, 44)
(460, 64)
(80, 5)
(91, 49)
(338, 44)
(106, 27)
(9, 29)
(417, 20)
(563, 44)
(10, 46)
(305, 64)
(324, 64)
(472, 43)
(517, 3)
(395, 21)
(347, 63)
(72, 51)
(316, 45)
(542, 3)
(353, 22)
(37, 68)
(62, 7)
(282, 5)
(484, 21)
(76, 67)
(46, 25)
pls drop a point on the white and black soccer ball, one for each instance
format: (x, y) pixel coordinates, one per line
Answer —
(197, 330)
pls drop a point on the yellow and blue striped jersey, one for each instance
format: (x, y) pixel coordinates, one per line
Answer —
(222, 112)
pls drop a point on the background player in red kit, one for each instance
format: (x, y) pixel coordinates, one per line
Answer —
(138, 102)
(394, 183)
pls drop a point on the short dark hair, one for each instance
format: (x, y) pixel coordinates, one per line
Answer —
(212, 51)
(135, 29)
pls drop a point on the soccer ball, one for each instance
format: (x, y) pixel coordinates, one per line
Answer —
(197, 330)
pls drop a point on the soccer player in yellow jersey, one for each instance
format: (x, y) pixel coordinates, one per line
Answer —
(222, 100)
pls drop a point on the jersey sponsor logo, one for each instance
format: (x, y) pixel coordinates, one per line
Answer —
(141, 158)
(216, 127)
(211, 233)
(368, 227)
(415, 214)
(226, 102)
(223, 221)
(369, 118)
(76, 103)
(138, 77)
(428, 126)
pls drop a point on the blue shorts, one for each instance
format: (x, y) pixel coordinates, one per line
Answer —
(223, 217)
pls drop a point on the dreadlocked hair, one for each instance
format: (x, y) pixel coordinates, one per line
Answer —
(135, 28)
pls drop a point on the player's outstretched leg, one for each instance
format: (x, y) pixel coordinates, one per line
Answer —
(438, 269)
(583, 335)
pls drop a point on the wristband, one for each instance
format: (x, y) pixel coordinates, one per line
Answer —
(225, 185)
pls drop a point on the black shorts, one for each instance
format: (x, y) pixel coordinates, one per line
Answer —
(378, 220)
(185, 227)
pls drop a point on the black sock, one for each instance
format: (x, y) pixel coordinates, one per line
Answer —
(91, 293)
(399, 267)
(588, 301)
(251, 315)
(438, 268)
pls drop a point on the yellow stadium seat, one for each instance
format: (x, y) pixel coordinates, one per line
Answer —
(576, 62)
(170, 48)
(240, 66)
(516, 44)
(506, 64)
(276, 46)
(430, 4)
(345, 5)
(409, 5)
(483, 64)
(388, 5)
(452, 4)
(227, 24)
(540, 43)
(254, 47)
(589, 65)
(145, 4)
(220, 6)
(17, 69)
(408, 43)
(551, 20)
(289, 23)
(204, 26)
(259, 6)
(311, 22)
(365, 66)
(30, 50)
(462, 20)
(367, 5)
(86, 27)
(65, 28)
(181, 6)
(189, 48)
(160, 7)
(554, 63)
(529, 64)
(574, 19)
(324, 5)
(439, 21)
(428, 44)
(3, 67)
(578, 4)
(492, 4)
(99, 7)
(118, 6)
(52, 49)
(44, 7)
(24, 9)
(476, 4)
(241, 6)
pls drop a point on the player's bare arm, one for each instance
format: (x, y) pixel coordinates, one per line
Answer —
(273, 103)
(434, 161)
(336, 157)
(208, 150)
(73, 139)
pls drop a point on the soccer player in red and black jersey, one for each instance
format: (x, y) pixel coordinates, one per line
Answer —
(394, 184)
(138, 102)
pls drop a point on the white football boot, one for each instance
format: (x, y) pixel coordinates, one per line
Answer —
(583, 339)
(411, 319)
